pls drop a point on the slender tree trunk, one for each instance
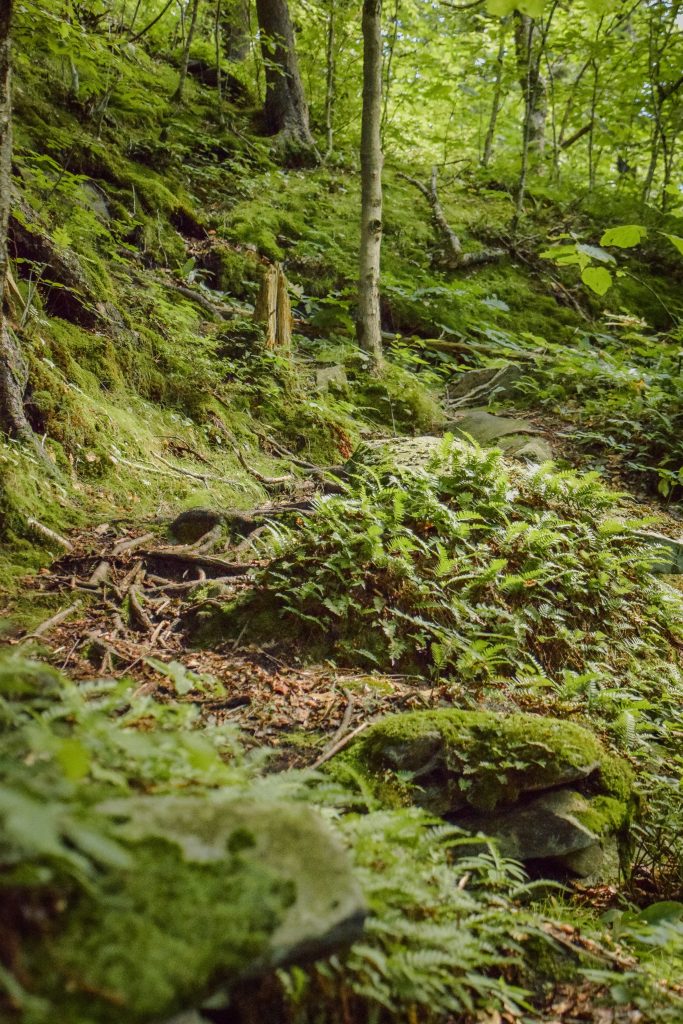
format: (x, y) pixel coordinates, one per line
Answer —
(330, 81)
(388, 64)
(237, 32)
(532, 83)
(285, 109)
(497, 95)
(219, 74)
(369, 324)
(12, 366)
(591, 130)
(178, 94)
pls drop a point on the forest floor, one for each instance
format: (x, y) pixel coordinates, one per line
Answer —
(121, 597)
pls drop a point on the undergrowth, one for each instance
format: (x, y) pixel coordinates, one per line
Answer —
(484, 576)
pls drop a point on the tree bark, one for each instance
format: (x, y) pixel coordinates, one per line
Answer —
(273, 309)
(13, 372)
(219, 75)
(497, 93)
(285, 109)
(178, 94)
(330, 81)
(368, 324)
(532, 83)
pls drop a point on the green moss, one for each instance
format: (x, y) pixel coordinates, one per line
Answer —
(451, 759)
(158, 934)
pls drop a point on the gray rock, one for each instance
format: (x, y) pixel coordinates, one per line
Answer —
(549, 828)
(669, 555)
(290, 840)
(544, 827)
(194, 523)
(330, 375)
(516, 437)
(475, 385)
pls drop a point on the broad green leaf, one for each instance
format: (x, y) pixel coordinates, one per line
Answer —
(675, 240)
(625, 236)
(667, 910)
(598, 279)
(500, 7)
(534, 8)
(599, 6)
(74, 759)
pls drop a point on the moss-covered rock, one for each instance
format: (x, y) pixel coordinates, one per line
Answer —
(544, 789)
(217, 889)
(449, 760)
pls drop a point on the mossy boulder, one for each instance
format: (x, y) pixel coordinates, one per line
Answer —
(218, 889)
(487, 771)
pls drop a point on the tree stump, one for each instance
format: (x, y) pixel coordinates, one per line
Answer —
(273, 308)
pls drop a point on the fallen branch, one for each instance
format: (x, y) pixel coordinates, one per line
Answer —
(55, 620)
(206, 561)
(456, 259)
(49, 534)
(126, 546)
(265, 480)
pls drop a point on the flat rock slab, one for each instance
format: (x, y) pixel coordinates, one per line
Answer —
(549, 828)
(670, 554)
(516, 437)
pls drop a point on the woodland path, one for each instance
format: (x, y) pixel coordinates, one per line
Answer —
(126, 594)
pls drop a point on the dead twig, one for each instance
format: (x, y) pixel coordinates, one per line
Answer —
(49, 534)
(339, 745)
(48, 624)
(138, 613)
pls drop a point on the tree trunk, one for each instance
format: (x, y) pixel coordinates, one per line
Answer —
(178, 94)
(330, 82)
(368, 324)
(219, 75)
(12, 367)
(497, 93)
(236, 31)
(273, 309)
(532, 83)
(285, 109)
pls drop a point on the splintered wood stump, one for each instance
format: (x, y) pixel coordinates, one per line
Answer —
(273, 308)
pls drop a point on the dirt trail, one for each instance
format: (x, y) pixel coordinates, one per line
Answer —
(128, 594)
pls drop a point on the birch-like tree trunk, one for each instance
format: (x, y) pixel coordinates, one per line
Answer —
(368, 324)
(497, 96)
